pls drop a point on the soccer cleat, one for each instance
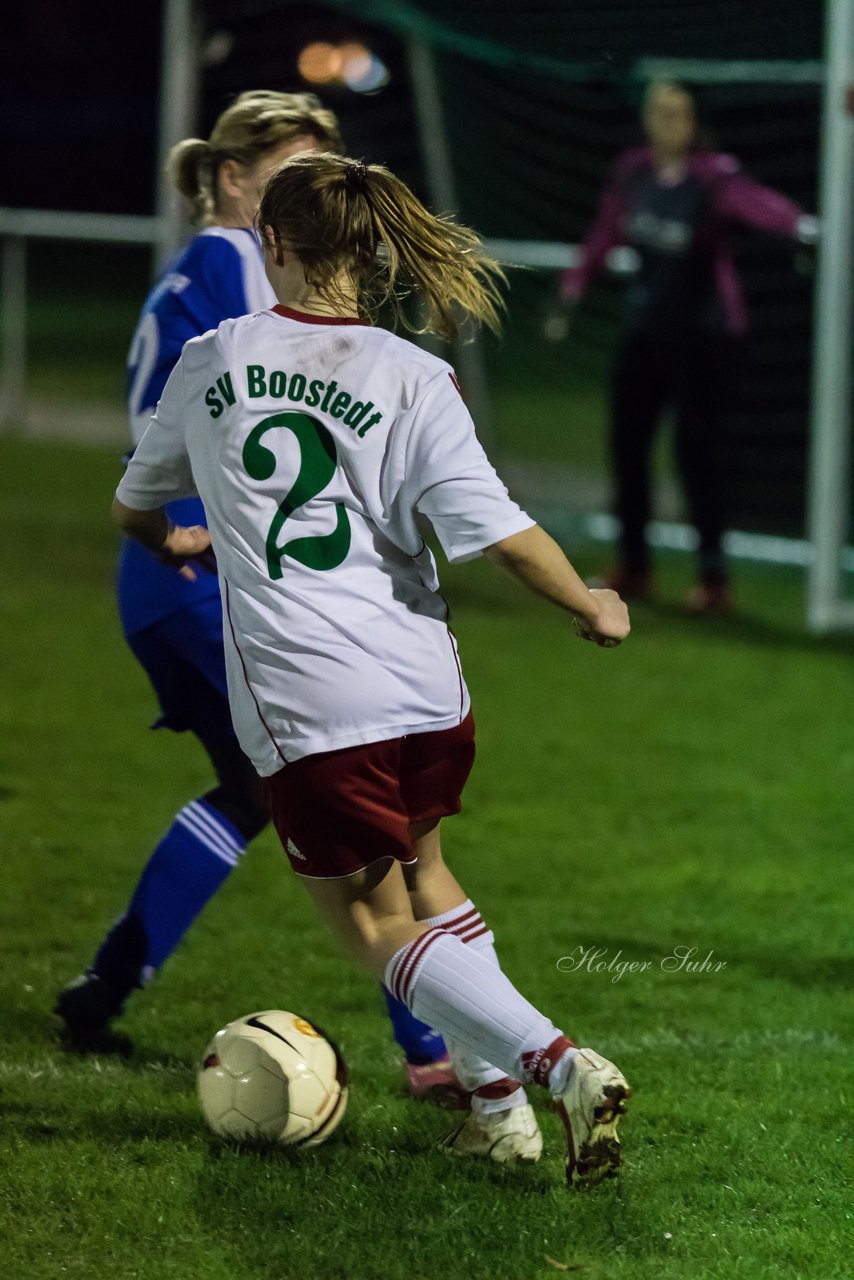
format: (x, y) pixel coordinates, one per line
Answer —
(437, 1082)
(503, 1136)
(590, 1107)
(87, 1006)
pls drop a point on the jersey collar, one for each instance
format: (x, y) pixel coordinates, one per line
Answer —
(305, 318)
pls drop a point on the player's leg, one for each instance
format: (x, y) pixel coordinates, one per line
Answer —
(501, 1124)
(430, 1073)
(183, 658)
(439, 901)
(703, 390)
(453, 987)
(350, 850)
(176, 888)
(189, 864)
(434, 771)
(638, 394)
(194, 858)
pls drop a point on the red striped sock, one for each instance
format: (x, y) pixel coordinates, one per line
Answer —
(467, 923)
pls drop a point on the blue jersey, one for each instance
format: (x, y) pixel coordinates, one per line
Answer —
(218, 276)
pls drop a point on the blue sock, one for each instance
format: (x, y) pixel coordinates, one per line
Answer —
(420, 1043)
(193, 859)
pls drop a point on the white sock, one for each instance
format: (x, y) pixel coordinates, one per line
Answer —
(491, 1089)
(451, 987)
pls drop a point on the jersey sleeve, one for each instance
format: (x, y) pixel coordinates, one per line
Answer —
(216, 288)
(450, 480)
(206, 285)
(159, 471)
(739, 198)
(605, 233)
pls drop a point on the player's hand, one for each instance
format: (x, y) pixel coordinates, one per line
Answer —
(182, 544)
(808, 229)
(607, 624)
(557, 323)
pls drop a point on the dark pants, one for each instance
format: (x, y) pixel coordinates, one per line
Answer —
(692, 374)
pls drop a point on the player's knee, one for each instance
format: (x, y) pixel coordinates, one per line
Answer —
(381, 937)
(370, 911)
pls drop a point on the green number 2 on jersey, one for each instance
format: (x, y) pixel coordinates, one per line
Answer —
(318, 460)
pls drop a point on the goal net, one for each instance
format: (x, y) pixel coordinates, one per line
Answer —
(533, 104)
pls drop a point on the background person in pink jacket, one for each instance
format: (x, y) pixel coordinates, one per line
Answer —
(674, 202)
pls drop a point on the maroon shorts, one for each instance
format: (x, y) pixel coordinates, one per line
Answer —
(336, 812)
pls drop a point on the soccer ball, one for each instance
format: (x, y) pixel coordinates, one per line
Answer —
(273, 1075)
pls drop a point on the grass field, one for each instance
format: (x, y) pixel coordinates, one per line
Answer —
(692, 789)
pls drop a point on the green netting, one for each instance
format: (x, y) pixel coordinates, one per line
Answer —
(537, 100)
(568, 40)
(532, 166)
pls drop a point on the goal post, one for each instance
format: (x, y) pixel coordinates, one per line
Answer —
(830, 489)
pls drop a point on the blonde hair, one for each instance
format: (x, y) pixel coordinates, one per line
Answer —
(342, 217)
(255, 123)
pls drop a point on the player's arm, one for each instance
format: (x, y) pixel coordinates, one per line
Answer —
(472, 514)
(739, 198)
(604, 235)
(535, 559)
(173, 543)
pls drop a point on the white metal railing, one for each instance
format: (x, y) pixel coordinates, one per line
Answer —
(44, 224)
(17, 227)
(177, 108)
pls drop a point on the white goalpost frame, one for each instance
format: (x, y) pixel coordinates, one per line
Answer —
(179, 100)
(830, 488)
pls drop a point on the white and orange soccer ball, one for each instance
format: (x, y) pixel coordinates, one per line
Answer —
(273, 1075)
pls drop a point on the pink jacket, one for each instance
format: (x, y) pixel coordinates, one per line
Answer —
(732, 197)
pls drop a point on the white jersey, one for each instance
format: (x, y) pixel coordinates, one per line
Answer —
(314, 445)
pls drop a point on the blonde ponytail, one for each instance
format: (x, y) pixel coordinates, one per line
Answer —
(191, 171)
(342, 217)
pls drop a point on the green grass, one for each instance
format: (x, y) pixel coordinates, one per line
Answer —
(693, 788)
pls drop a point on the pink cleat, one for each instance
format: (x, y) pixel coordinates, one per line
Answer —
(437, 1082)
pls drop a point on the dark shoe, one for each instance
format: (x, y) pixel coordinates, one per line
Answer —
(630, 584)
(87, 1006)
(714, 598)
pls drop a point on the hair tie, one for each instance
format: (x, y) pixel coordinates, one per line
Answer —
(355, 174)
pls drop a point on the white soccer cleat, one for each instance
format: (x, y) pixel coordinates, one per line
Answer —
(590, 1107)
(503, 1136)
